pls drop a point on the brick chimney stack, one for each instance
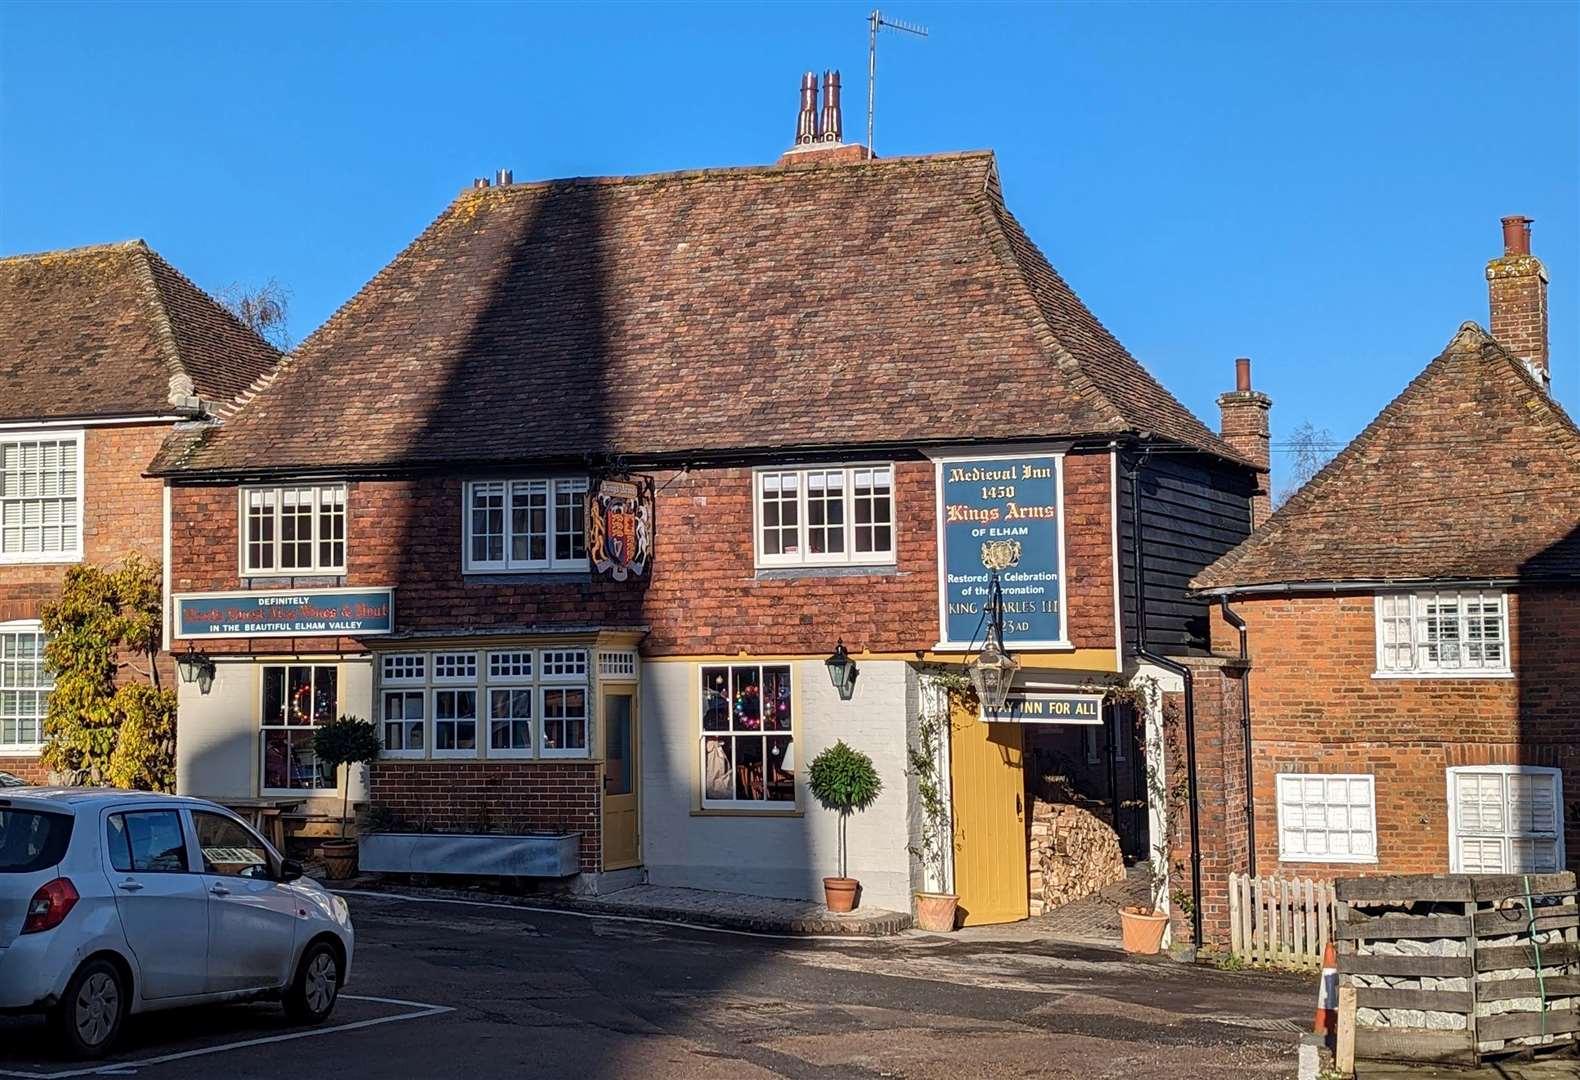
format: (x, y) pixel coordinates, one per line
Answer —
(1517, 293)
(1243, 424)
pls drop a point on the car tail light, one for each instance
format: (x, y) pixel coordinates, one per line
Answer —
(50, 906)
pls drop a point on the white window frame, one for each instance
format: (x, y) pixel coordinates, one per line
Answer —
(554, 487)
(1508, 835)
(1419, 668)
(32, 627)
(1285, 855)
(402, 690)
(264, 726)
(478, 741)
(65, 555)
(317, 567)
(803, 556)
(763, 806)
(565, 685)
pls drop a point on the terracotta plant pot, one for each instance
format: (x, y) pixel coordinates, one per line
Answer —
(936, 911)
(340, 859)
(1142, 929)
(839, 894)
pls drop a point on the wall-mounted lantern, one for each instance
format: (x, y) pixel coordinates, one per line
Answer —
(842, 671)
(196, 667)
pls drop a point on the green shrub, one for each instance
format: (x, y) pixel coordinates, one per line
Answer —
(843, 780)
(348, 740)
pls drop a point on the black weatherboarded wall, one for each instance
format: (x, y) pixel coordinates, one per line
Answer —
(1193, 509)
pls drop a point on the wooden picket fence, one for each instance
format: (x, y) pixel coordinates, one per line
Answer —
(1279, 920)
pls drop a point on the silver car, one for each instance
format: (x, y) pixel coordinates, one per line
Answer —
(121, 902)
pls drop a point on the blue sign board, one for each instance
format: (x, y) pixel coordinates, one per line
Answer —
(1033, 708)
(302, 613)
(995, 510)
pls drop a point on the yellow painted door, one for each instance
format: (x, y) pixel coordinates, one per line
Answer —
(622, 845)
(987, 788)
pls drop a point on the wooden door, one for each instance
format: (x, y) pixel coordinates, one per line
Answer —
(987, 789)
(622, 836)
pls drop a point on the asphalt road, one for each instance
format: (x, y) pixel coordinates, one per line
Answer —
(456, 990)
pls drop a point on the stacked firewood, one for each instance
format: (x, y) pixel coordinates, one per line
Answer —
(1074, 853)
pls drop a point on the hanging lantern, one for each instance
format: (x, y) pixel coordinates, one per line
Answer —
(992, 673)
(842, 671)
(196, 667)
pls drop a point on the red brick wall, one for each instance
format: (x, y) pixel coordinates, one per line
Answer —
(503, 796)
(122, 513)
(1316, 708)
(704, 595)
(1220, 785)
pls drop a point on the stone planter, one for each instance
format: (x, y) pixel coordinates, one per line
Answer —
(477, 854)
(936, 911)
(1142, 930)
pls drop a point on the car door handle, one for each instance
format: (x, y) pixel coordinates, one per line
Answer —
(220, 890)
(131, 886)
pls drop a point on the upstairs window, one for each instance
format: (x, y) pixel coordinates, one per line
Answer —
(41, 498)
(825, 516)
(525, 525)
(294, 530)
(1443, 633)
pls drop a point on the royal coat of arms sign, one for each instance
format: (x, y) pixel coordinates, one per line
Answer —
(620, 525)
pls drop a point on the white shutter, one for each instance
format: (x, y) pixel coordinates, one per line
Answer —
(1506, 820)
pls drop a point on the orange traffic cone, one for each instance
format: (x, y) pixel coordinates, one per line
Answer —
(1328, 994)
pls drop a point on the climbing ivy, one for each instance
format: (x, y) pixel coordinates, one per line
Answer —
(109, 721)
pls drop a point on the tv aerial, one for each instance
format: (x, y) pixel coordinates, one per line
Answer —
(876, 22)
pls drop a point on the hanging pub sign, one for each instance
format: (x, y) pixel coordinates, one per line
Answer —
(1041, 708)
(303, 613)
(1001, 513)
(620, 525)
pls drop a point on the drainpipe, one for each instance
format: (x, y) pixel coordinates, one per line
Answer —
(1234, 620)
(1190, 700)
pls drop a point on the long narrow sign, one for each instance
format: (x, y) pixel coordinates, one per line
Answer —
(302, 613)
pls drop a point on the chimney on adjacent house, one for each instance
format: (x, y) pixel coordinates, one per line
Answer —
(1517, 294)
(1243, 424)
(806, 119)
(820, 137)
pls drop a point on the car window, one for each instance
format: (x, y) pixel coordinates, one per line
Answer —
(147, 841)
(31, 840)
(229, 847)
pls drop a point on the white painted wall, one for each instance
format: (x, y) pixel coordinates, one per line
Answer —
(779, 856)
(217, 740)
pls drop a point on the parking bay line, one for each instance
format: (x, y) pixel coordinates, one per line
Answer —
(120, 1067)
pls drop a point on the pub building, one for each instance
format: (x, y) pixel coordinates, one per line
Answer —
(578, 495)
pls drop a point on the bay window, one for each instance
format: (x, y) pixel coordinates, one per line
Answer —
(294, 530)
(825, 516)
(525, 525)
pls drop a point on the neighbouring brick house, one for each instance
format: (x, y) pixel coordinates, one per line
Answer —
(104, 349)
(841, 375)
(1410, 615)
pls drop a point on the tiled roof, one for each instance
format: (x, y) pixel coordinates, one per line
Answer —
(702, 312)
(114, 330)
(1472, 473)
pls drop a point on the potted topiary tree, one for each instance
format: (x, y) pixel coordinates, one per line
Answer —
(843, 780)
(349, 740)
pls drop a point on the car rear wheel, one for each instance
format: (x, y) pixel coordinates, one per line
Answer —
(89, 1015)
(312, 994)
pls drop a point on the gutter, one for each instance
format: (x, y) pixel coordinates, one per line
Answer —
(1234, 620)
(1284, 588)
(1142, 652)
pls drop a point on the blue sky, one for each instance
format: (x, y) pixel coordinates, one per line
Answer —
(1315, 186)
